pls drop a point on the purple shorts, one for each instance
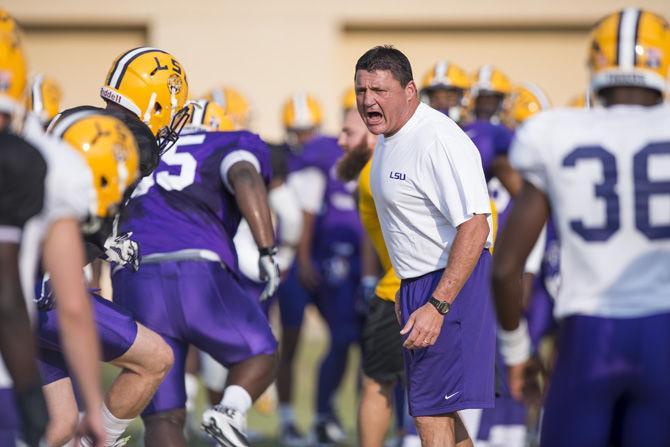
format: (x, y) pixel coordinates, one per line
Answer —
(457, 372)
(611, 384)
(9, 418)
(194, 302)
(116, 328)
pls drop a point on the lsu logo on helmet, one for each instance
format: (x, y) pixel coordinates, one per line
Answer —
(235, 105)
(111, 152)
(152, 84)
(630, 48)
(302, 112)
(208, 116)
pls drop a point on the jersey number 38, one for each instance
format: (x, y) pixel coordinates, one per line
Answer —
(644, 189)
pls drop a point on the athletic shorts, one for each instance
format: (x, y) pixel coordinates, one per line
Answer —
(116, 328)
(193, 302)
(457, 372)
(611, 383)
(381, 343)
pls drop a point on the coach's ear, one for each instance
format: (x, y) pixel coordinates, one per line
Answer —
(411, 92)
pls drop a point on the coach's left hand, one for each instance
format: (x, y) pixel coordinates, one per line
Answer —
(423, 326)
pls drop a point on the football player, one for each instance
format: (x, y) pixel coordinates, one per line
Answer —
(53, 235)
(111, 152)
(444, 88)
(146, 89)
(44, 98)
(184, 217)
(327, 268)
(490, 87)
(527, 99)
(602, 173)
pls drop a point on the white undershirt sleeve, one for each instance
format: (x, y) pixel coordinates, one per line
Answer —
(309, 186)
(236, 157)
(526, 153)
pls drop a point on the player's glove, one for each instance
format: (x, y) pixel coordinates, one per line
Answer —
(269, 269)
(123, 250)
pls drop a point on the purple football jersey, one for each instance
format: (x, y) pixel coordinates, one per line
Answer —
(491, 140)
(338, 220)
(185, 204)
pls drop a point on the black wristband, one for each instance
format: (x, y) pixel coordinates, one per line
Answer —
(267, 251)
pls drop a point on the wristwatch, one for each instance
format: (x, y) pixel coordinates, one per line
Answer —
(443, 307)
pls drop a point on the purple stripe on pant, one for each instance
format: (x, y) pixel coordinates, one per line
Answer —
(458, 371)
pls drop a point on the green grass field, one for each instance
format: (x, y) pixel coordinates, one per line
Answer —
(312, 346)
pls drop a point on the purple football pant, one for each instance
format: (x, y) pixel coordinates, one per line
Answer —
(193, 302)
(9, 418)
(116, 328)
(611, 384)
(457, 372)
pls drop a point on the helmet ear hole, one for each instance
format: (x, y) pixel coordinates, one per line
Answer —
(103, 182)
(157, 108)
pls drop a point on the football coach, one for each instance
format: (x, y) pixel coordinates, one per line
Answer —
(433, 205)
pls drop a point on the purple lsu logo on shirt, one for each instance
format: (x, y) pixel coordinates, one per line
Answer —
(397, 175)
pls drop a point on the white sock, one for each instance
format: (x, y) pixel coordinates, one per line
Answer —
(191, 391)
(286, 414)
(236, 397)
(114, 428)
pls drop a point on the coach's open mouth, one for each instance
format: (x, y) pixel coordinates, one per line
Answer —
(374, 117)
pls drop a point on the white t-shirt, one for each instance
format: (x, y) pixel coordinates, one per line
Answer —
(426, 180)
(606, 173)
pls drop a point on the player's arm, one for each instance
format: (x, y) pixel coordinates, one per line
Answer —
(309, 185)
(284, 204)
(63, 258)
(252, 199)
(508, 176)
(243, 178)
(524, 225)
(466, 249)
(18, 346)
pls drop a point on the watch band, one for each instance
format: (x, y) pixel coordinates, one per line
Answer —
(443, 307)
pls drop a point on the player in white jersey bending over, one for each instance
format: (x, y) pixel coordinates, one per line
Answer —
(604, 175)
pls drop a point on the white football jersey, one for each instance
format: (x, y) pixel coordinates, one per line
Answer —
(606, 173)
(69, 193)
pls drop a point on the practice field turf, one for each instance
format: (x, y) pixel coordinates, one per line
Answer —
(312, 346)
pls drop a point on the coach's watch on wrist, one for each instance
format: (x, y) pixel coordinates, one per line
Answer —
(443, 307)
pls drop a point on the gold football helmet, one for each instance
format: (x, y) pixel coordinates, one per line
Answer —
(13, 78)
(44, 98)
(526, 100)
(489, 79)
(111, 152)
(630, 48)
(444, 74)
(349, 100)
(235, 106)
(152, 84)
(208, 116)
(301, 112)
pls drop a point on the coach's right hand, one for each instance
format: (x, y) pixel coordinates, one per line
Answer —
(423, 326)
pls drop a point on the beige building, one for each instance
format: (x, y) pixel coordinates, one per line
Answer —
(269, 49)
